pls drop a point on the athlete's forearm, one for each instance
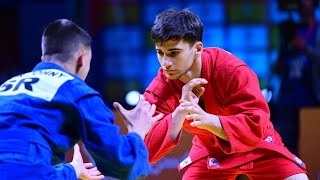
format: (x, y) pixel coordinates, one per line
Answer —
(216, 127)
(177, 123)
(175, 130)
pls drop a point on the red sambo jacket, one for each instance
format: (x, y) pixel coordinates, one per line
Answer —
(233, 94)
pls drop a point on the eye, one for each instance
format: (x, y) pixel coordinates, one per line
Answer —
(160, 53)
(173, 54)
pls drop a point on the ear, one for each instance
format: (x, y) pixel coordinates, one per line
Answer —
(42, 58)
(79, 62)
(198, 47)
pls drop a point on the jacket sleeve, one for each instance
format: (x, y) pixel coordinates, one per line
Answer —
(245, 113)
(158, 140)
(65, 171)
(116, 155)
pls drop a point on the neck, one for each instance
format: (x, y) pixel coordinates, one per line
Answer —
(67, 66)
(193, 72)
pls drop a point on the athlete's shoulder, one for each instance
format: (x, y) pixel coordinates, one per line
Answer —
(42, 83)
(81, 87)
(224, 64)
(224, 59)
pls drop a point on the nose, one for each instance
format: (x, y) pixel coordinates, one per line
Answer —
(166, 62)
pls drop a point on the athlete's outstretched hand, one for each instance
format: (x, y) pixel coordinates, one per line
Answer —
(140, 119)
(85, 171)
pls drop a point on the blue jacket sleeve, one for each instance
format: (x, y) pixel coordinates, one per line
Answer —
(65, 171)
(116, 155)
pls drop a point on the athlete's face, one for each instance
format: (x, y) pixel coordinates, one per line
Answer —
(176, 57)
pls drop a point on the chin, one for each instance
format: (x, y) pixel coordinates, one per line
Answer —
(173, 77)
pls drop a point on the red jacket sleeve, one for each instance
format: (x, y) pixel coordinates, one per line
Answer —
(245, 113)
(158, 139)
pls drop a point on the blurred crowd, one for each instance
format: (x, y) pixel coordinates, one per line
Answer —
(298, 66)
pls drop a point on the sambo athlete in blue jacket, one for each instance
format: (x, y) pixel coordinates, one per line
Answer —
(45, 112)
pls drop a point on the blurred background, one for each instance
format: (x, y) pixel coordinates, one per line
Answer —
(124, 58)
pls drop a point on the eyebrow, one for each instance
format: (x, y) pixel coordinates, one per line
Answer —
(171, 49)
(175, 49)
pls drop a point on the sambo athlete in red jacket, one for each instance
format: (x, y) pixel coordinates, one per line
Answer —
(233, 131)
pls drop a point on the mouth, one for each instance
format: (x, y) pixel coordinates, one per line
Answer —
(169, 71)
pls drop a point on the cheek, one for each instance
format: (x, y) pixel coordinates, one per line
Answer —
(184, 61)
(160, 60)
(191, 58)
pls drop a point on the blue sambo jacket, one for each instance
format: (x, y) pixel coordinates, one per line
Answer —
(54, 109)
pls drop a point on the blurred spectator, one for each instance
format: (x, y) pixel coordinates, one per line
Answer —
(299, 70)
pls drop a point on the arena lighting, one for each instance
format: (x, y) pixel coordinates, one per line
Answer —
(132, 98)
(267, 94)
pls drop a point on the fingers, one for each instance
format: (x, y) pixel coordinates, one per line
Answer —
(88, 165)
(93, 172)
(76, 153)
(189, 107)
(200, 91)
(97, 177)
(142, 105)
(193, 83)
(183, 101)
(119, 107)
(157, 117)
(196, 123)
(193, 117)
(193, 89)
(153, 109)
(122, 111)
(142, 100)
(147, 106)
(76, 148)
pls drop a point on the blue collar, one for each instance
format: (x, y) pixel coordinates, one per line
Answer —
(47, 65)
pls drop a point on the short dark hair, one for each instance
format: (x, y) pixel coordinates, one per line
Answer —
(62, 38)
(175, 24)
